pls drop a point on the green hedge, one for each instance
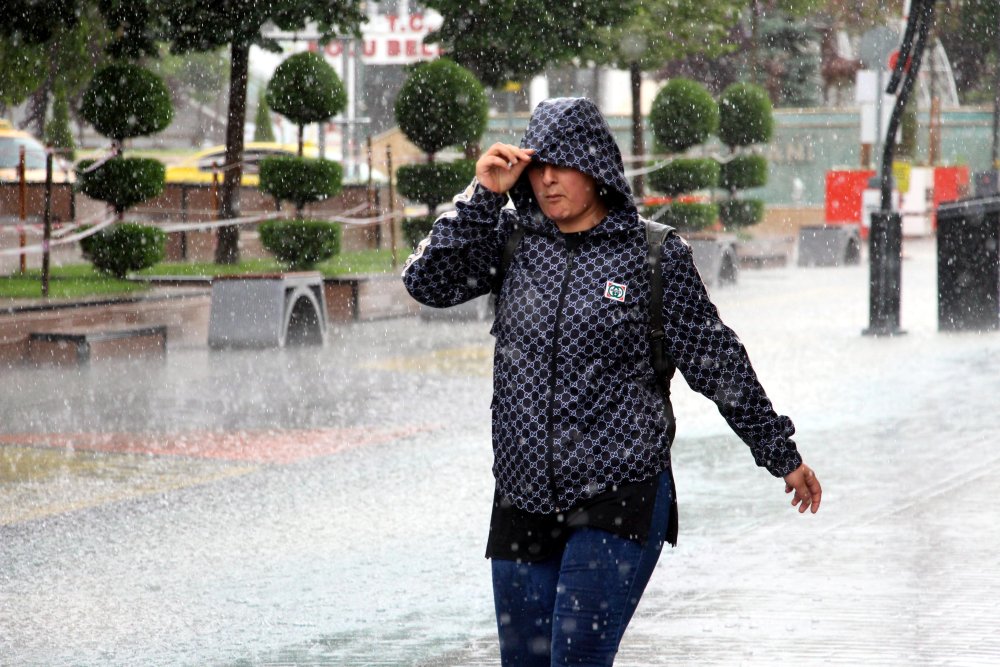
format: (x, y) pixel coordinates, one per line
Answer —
(125, 247)
(436, 182)
(744, 171)
(688, 217)
(300, 244)
(685, 175)
(683, 115)
(125, 100)
(745, 115)
(300, 180)
(122, 181)
(738, 213)
(417, 229)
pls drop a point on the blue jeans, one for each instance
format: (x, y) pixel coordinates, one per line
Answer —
(573, 609)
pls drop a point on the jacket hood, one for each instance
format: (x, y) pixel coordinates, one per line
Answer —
(572, 132)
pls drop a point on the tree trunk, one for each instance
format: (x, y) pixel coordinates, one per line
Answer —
(227, 249)
(638, 151)
(302, 138)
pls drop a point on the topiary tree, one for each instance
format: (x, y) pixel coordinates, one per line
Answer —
(684, 115)
(305, 89)
(300, 244)
(263, 130)
(122, 182)
(125, 101)
(746, 118)
(300, 180)
(57, 131)
(125, 247)
(441, 104)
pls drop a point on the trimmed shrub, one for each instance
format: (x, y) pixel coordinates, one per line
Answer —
(57, 131)
(126, 101)
(122, 181)
(688, 217)
(685, 175)
(744, 171)
(263, 129)
(745, 115)
(300, 244)
(436, 182)
(125, 247)
(738, 213)
(300, 180)
(441, 104)
(417, 229)
(683, 115)
(305, 89)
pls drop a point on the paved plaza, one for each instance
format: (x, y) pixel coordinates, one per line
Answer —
(330, 506)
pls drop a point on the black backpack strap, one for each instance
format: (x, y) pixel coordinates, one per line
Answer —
(663, 365)
(513, 241)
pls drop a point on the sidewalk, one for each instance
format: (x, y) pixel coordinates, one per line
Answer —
(358, 540)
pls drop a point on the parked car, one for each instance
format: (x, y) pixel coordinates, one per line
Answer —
(198, 168)
(11, 141)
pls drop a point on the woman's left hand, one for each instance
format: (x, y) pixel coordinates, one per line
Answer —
(805, 484)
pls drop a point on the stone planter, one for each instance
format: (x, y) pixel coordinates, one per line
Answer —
(715, 257)
(829, 245)
(268, 310)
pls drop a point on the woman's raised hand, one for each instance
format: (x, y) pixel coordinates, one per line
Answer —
(501, 165)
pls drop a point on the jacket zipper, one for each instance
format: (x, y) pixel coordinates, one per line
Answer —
(550, 450)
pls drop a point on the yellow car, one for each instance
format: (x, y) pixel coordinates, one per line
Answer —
(198, 168)
(11, 141)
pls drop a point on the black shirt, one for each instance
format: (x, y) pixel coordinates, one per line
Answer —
(624, 510)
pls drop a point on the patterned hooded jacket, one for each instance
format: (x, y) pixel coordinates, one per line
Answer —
(575, 403)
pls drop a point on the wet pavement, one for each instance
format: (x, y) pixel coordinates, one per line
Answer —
(330, 507)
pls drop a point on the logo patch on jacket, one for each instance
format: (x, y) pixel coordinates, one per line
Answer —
(615, 291)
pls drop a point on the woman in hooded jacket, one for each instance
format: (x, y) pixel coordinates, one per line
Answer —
(584, 495)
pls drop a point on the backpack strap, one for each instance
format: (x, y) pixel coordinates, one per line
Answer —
(663, 365)
(513, 241)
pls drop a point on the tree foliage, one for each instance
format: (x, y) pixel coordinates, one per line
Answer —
(36, 21)
(305, 89)
(125, 101)
(971, 37)
(263, 129)
(745, 115)
(57, 130)
(125, 247)
(300, 180)
(300, 244)
(441, 104)
(435, 183)
(683, 115)
(658, 31)
(684, 175)
(122, 182)
(195, 25)
(512, 40)
(22, 71)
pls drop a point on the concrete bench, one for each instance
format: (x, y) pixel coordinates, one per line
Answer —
(84, 346)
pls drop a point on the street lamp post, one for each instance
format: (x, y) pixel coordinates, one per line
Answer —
(886, 233)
